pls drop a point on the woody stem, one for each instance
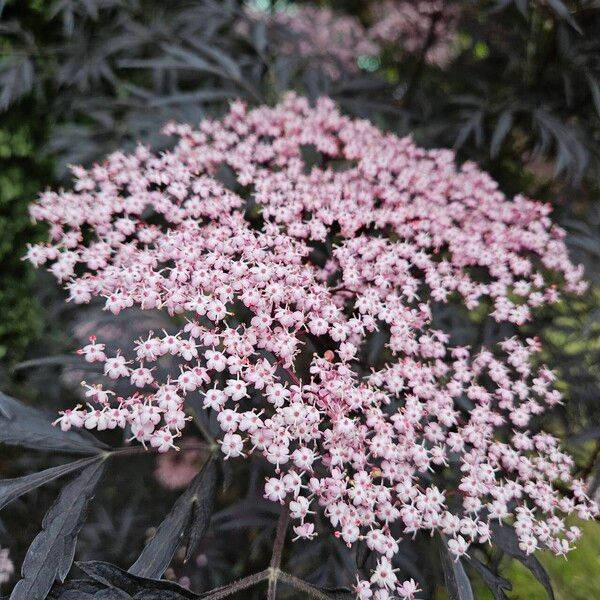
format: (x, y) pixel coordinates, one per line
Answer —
(282, 524)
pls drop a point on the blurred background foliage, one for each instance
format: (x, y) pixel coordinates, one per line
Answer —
(520, 95)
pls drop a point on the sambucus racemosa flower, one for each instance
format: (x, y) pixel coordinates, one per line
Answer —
(283, 276)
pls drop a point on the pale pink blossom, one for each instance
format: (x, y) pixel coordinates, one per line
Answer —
(258, 295)
(7, 567)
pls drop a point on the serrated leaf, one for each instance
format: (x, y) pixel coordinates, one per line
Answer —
(84, 589)
(495, 583)
(22, 425)
(189, 517)
(11, 489)
(140, 588)
(16, 79)
(150, 63)
(522, 7)
(501, 130)
(594, 86)
(189, 59)
(226, 62)
(193, 97)
(562, 10)
(51, 553)
(472, 126)
(457, 581)
(259, 36)
(505, 537)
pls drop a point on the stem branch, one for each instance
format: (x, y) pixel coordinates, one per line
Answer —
(307, 588)
(274, 572)
(236, 586)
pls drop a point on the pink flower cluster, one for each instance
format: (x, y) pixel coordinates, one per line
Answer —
(7, 568)
(280, 280)
(322, 36)
(407, 24)
(175, 470)
(336, 41)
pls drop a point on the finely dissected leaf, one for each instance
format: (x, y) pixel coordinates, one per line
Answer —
(21, 425)
(139, 588)
(193, 97)
(522, 7)
(16, 79)
(571, 152)
(503, 126)
(189, 59)
(457, 581)
(594, 86)
(495, 583)
(84, 589)
(562, 10)
(51, 553)
(472, 126)
(225, 62)
(259, 36)
(11, 489)
(189, 516)
(505, 537)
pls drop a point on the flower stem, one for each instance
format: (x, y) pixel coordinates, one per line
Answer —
(274, 572)
(303, 586)
(236, 586)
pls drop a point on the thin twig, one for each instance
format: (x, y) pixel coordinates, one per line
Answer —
(278, 545)
(303, 586)
(274, 573)
(240, 584)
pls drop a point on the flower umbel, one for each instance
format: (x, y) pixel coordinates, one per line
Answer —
(283, 277)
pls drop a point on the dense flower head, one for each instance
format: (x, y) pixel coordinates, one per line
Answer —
(411, 26)
(285, 239)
